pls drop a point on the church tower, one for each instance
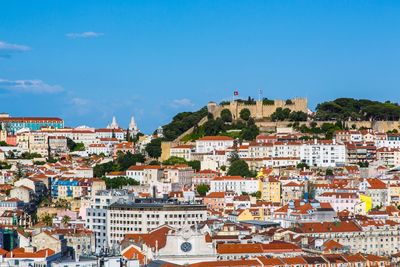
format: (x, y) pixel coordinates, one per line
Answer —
(114, 124)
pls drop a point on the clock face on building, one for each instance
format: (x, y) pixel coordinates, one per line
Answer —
(186, 247)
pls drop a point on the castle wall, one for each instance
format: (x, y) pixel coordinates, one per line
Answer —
(258, 110)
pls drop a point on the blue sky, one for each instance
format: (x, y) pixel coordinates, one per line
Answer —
(86, 61)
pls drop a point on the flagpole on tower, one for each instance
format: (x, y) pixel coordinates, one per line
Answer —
(235, 94)
(260, 95)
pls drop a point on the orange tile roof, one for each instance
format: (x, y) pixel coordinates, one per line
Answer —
(132, 253)
(270, 261)
(228, 263)
(294, 260)
(20, 253)
(222, 178)
(275, 246)
(216, 138)
(142, 167)
(216, 195)
(324, 227)
(156, 236)
(375, 183)
(332, 245)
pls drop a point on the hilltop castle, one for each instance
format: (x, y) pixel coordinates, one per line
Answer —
(259, 109)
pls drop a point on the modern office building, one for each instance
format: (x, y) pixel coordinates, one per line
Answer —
(96, 214)
(144, 215)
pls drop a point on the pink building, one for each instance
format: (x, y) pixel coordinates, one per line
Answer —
(215, 200)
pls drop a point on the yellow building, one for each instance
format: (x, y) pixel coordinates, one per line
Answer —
(245, 215)
(368, 202)
(270, 189)
(251, 214)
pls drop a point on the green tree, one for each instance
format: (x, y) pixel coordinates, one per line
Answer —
(101, 169)
(280, 114)
(267, 101)
(27, 155)
(357, 109)
(182, 122)
(48, 220)
(240, 168)
(20, 171)
(119, 182)
(213, 127)
(298, 116)
(302, 165)
(174, 160)
(65, 220)
(256, 194)
(251, 131)
(329, 172)
(245, 114)
(72, 146)
(4, 165)
(3, 143)
(121, 163)
(202, 189)
(125, 160)
(363, 164)
(195, 164)
(153, 149)
(226, 115)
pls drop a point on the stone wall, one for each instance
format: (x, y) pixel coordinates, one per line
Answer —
(258, 110)
(381, 126)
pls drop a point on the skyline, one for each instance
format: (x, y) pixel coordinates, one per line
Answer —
(93, 60)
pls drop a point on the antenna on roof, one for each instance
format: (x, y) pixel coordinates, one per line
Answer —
(260, 94)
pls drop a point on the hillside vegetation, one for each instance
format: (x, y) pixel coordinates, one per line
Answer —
(341, 109)
(182, 122)
(357, 109)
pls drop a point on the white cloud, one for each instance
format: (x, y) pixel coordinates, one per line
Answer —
(75, 35)
(29, 86)
(6, 49)
(183, 102)
(77, 101)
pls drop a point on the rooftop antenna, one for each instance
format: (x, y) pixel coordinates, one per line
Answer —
(260, 94)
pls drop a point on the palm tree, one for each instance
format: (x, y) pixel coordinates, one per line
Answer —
(65, 220)
(48, 220)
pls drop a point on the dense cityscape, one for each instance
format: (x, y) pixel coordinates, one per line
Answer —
(237, 183)
(199, 133)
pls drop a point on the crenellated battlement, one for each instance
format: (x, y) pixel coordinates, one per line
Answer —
(259, 109)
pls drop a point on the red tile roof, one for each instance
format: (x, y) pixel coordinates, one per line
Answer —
(216, 138)
(325, 227)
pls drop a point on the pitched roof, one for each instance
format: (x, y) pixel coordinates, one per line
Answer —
(228, 263)
(216, 195)
(132, 253)
(332, 245)
(158, 235)
(273, 247)
(222, 178)
(216, 138)
(375, 183)
(324, 227)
